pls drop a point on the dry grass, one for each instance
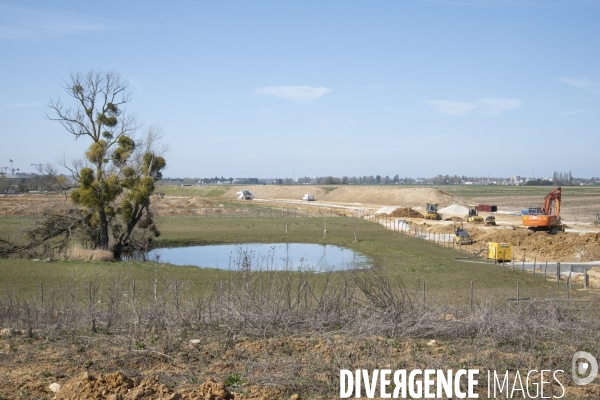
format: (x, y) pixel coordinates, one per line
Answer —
(81, 254)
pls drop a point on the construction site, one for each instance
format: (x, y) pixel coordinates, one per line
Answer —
(577, 240)
(451, 284)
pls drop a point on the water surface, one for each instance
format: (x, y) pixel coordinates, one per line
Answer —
(261, 256)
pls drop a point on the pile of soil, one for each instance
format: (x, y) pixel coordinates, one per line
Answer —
(276, 191)
(455, 219)
(392, 195)
(406, 213)
(381, 195)
(545, 247)
(119, 386)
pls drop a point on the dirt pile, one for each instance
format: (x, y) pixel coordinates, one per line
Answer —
(406, 213)
(562, 246)
(114, 386)
(119, 386)
(407, 197)
(278, 192)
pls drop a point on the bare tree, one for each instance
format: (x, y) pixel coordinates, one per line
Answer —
(116, 178)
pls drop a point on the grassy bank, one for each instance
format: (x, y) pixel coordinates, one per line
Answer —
(403, 259)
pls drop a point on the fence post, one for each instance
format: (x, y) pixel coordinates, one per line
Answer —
(534, 261)
(90, 291)
(557, 273)
(133, 292)
(545, 270)
(586, 279)
(518, 299)
(471, 295)
(42, 294)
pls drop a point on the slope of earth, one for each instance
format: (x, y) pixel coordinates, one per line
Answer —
(387, 196)
(277, 192)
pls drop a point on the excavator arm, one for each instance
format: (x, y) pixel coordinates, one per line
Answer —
(554, 195)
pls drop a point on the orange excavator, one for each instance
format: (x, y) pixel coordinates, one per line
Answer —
(546, 218)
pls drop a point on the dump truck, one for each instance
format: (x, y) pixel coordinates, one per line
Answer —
(245, 195)
(308, 197)
(431, 212)
(546, 218)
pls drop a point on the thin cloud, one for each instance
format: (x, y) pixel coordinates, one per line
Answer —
(452, 107)
(585, 84)
(496, 106)
(570, 112)
(303, 94)
(19, 22)
(489, 105)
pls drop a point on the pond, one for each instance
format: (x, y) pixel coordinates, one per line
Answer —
(264, 257)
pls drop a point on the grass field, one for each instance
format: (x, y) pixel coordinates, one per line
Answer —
(394, 255)
(262, 332)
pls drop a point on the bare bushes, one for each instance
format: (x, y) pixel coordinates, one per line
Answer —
(255, 301)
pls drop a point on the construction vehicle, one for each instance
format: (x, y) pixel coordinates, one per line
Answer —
(308, 197)
(431, 212)
(473, 215)
(461, 236)
(490, 220)
(546, 218)
(245, 195)
(499, 251)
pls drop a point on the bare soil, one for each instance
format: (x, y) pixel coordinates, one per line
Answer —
(101, 367)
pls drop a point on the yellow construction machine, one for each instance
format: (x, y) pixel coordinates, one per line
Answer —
(431, 212)
(461, 236)
(490, 220)
(473, 215)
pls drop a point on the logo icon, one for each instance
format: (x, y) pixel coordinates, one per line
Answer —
(584, 368)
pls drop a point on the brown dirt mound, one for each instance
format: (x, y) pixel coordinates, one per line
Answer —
(542, 246)
(406, 213)
(405, 196)
(455, 219)
(277, 192)
(119, 386)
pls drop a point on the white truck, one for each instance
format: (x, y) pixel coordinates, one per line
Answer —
(245, 195)
(308, 197)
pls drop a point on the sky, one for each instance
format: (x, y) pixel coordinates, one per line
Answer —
(287, 89)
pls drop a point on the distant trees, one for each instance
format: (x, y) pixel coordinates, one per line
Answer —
(562, 178)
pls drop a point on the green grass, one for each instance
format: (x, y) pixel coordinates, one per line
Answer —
(402, 258)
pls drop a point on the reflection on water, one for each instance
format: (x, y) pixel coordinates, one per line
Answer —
(260, 256)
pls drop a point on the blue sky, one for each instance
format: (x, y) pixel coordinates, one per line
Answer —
(306, 88)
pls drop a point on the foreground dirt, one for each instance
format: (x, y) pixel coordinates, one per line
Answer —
(92, 366)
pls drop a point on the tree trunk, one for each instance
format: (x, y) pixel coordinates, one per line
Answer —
(103, 230)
